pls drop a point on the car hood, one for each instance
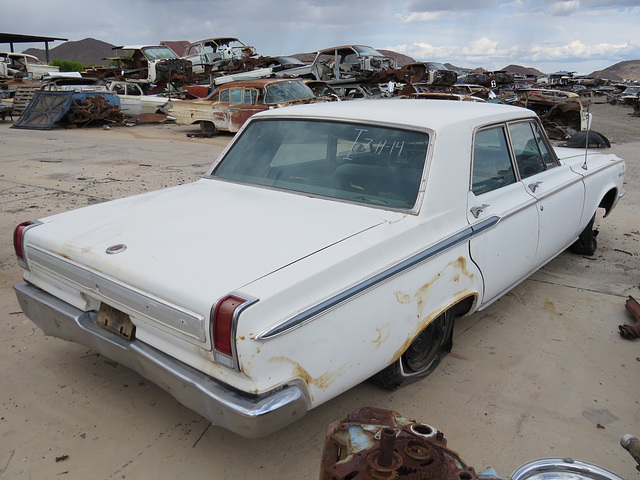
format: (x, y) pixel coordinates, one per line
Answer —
(197, 242)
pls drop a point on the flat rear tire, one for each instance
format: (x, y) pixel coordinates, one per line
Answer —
(423, 355)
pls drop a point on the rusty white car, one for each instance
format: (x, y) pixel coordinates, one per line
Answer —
(230, 105)
(328, 244)
(217, 54)
(22, 65)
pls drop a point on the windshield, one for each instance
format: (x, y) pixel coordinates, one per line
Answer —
(159, 53)
(436, 66)
(367, 164)
(283, 92)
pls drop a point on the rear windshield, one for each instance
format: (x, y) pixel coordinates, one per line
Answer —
(367, 164)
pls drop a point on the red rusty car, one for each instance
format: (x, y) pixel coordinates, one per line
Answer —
(231, 104)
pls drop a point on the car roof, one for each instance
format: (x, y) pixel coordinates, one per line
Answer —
(216, 40)
(421, 113)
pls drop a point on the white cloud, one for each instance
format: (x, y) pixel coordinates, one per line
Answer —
(576, 49)
(565, 8)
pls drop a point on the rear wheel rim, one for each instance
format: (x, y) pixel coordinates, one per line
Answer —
(428, 348)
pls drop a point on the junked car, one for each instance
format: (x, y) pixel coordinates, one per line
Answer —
(348, 63)
(22, 65)
(342, 241)
(152, 63)
(230, 105)
(134, 101)
(217, 54)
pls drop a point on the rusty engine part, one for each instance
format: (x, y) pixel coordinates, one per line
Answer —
(377, 444)
(631, 331)
(632, 445)
(93, 109)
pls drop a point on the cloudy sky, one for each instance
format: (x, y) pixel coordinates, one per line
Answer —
(573, 35)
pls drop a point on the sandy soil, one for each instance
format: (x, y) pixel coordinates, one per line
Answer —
(532, 376)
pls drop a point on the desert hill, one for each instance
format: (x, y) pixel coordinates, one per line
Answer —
(88, 52)
(629, 70)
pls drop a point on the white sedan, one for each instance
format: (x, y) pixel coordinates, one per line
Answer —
(328, 244)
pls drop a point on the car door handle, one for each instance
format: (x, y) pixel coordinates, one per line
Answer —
(476, 211)
(534, 186)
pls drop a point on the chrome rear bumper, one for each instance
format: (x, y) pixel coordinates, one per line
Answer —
(251, 416)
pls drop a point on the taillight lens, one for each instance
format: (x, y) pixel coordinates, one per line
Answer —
(18, 241)
(223, 323)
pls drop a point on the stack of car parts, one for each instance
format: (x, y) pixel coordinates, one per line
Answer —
(377, 444)
(380, 444)
(94, 109)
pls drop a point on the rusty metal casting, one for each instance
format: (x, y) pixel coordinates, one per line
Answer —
(631, 331)
(377, 444)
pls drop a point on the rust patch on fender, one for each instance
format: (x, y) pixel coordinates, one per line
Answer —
(403, 297)
(298, 371)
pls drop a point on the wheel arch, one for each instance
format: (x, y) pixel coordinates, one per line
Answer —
(609, 200)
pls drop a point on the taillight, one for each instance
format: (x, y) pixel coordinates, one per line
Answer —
(18, 241)
(223, 327)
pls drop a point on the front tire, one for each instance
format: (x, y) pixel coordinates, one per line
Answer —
(423, 355)
(586, 243)
(208, 128)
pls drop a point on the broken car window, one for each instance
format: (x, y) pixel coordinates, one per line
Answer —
(360, 163)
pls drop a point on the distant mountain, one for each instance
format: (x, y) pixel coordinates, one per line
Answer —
(518, 70)
(88, 52)
(629, 70)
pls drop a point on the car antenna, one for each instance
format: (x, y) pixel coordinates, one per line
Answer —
(586, 143)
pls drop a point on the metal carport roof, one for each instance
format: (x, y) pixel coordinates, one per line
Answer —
(12, 38)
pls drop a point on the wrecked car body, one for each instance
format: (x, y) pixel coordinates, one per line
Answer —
(217, 54)
(358, 228)
(134, 101)
(562, 112)
(490, 79)
(430, 73)
(230, 105)
(153, 64)
(349, 63)
(21, 65)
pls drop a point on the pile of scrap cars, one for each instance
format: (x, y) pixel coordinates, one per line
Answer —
(218, 83)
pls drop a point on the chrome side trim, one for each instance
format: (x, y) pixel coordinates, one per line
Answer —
(249, 415)
(124, 297)
(308, 314)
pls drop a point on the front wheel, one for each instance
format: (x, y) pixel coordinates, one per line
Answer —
(586, 243)
(423, 355)
(208, 128)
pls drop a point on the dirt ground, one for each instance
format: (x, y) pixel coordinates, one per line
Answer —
(541, 373)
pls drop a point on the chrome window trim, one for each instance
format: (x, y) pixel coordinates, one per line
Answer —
(310, 313)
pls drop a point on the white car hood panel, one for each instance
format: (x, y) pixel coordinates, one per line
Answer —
(194, 243)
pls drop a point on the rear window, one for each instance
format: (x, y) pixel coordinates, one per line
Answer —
(367, 164)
